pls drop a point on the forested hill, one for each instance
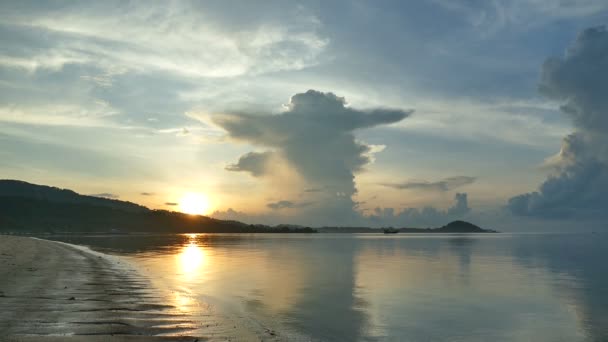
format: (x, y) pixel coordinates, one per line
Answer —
(15, 188)
(26, 207)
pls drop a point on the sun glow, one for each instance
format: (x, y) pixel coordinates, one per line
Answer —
(195, 204)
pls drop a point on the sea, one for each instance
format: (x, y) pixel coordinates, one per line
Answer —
(376, 287)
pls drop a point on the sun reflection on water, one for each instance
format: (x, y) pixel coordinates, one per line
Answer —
(190, 261)
(192, 257)
(184, 302)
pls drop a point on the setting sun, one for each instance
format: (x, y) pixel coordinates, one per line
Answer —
(194, 204)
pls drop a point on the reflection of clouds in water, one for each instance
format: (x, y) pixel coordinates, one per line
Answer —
(457, 288)
(502, 287)
(577, 263)
(462, 247)
(329, 307)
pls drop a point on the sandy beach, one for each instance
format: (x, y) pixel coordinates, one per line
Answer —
(52, 291)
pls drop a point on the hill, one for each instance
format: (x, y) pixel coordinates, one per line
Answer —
(31, 208)
(20, 189)
(462, 227)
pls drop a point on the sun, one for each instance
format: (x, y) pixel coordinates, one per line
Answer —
(194, 204)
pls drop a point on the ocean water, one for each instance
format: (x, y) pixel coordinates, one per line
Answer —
(368, 287)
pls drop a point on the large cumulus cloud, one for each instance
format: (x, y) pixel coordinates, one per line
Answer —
(576, 189)
(315, 136)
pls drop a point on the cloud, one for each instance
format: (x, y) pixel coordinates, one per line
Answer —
(147, 194)
(58, 115)
(287, 205)
(408, 217)
(576, 189)
(161, 37)
(252, 162)
(461, 207)
(315, 136)
(444, 185)
(495, 15)
(231, 214)
(577, 80)
(171, 204)
(425, 217)
(106, 195)
(260, 218)
(62, 55)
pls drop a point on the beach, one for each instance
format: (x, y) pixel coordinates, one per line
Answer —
(53, 291)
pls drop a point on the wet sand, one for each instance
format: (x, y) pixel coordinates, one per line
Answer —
(51, 291)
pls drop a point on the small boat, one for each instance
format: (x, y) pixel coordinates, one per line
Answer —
(390, 230)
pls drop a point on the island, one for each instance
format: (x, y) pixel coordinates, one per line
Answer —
(452, 227)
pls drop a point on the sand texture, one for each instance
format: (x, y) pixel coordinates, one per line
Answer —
(56, 292)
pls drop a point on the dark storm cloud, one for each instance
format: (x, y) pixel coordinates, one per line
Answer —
(105, 195)
(577, 189)
(252, 162)
(579, 80)
(315, 136)
(443, 185)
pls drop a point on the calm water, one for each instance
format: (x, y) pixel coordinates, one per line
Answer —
(325, 287)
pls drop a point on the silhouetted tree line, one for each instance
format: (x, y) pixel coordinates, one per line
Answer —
(19, 214)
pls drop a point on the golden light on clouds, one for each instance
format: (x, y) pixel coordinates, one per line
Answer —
(195, 204)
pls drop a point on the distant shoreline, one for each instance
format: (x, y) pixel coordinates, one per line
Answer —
(41, 209)
(457, 227)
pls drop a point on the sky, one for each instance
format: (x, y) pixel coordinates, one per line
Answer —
(318, 113)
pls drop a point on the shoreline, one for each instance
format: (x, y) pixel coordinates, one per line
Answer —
(54, 291)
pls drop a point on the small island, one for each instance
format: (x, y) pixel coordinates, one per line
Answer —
(452, 227)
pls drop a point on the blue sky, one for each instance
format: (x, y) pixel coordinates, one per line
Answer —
(160, 98)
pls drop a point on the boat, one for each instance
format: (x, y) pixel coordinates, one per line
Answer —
(390, 230)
